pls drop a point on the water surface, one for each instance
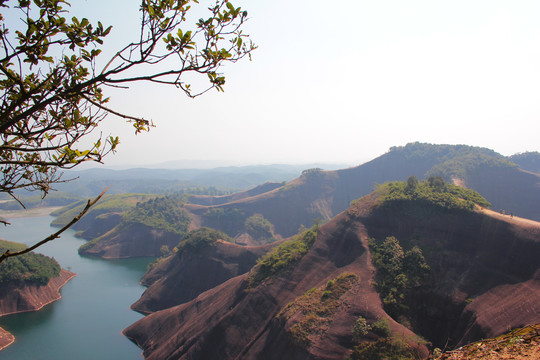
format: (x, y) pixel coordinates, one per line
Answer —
(86, 323)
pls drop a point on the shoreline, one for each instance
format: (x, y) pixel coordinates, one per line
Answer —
(34, 212)
(6, 338)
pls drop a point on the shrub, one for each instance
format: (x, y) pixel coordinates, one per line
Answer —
(317, 308)
(360, 329)
(282, 257)
(387, 348)
(259, 228)
(199, 239)
(381, 328)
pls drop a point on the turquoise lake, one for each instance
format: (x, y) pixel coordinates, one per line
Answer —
(86, 323)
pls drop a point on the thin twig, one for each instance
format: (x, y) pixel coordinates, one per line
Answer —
(56, 235)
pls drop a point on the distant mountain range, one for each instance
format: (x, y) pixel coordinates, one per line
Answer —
(320, 194)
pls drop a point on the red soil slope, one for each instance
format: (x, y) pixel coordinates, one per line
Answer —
(181, 278)
(231, 321)
(479, 264)
(15, 298)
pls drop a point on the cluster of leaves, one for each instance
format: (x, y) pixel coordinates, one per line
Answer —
(317, 307)
(360, 329)
(381, 328)
(259, 228)
(163, 213)
(398, 273)
(51, 85)
(199, 239)
(434, 191)
(282, 257)
(30, 268)
(107, 204)
(229, 220)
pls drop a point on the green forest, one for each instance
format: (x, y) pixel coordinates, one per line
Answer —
(30, 268)
(163, 213)
(434, 191)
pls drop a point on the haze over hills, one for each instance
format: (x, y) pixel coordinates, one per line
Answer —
(93, 181)
(319, 194)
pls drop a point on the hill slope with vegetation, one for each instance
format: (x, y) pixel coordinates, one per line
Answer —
(529, 161)
(30, 268)
(27, 283)
(281, 209)
(143, 230)
(459, 275)
(319, 194)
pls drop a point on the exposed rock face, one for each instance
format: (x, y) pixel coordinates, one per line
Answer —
(484, 280)
(134, 240)
(6, 339)
(183, 277)
(15, 298)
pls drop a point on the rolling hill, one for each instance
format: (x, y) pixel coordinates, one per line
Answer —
(319, 194)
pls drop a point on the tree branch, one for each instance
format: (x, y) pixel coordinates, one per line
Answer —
(57, 234)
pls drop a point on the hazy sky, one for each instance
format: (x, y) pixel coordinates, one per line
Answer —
(344, 80)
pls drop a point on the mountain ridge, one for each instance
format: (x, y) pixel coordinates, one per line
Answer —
(236, 321)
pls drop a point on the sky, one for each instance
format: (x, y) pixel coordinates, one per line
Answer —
(344, 81)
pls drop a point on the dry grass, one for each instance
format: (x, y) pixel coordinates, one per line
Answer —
(518, 344)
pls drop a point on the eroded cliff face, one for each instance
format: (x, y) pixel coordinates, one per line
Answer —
(239, 320)
(6, 339)
(484, 281)
(485, 270)
(182, 277)
(16, 298)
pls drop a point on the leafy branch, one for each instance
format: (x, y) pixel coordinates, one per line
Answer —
(89, 204)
